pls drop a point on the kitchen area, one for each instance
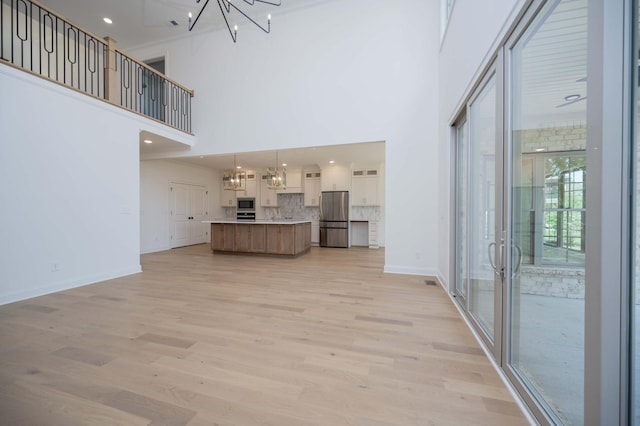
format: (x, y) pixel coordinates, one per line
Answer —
(343, 211)
(244, 190)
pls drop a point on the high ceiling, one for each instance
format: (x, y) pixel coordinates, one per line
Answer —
(143, 22)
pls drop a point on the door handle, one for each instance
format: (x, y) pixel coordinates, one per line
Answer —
(519, 262)
(493, 265)
(498, 268)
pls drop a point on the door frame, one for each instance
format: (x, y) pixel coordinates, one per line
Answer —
(493, 70)
(207, 206)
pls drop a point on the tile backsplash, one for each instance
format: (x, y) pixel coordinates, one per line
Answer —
(292, 206)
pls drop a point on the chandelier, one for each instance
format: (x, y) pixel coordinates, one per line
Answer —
(276, 176)
(234, 179)
(225, 9)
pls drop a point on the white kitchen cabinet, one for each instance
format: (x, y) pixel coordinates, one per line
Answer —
(335, 178)
(268, 197)
(227, 197)
(373, 234)
(315, 232)
(294, 182)
(312, 188)
(251, 188)
(364, 187)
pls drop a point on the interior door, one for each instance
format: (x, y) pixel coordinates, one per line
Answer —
(179, 215)
(188, 208)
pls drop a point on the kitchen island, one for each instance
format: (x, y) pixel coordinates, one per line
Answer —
(267, 237)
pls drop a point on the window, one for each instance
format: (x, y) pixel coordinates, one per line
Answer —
(564, 210)
(552, 200)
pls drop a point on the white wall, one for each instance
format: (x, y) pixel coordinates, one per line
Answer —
(69, 168)
(343, 71)
(474, 31)
(155, 176)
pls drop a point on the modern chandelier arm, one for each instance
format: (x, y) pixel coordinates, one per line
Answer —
(234, 34)
(198, 17)
(227, 5)
(252, 2)
(266, 30)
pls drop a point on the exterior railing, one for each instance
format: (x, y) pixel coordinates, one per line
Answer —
(39, 41)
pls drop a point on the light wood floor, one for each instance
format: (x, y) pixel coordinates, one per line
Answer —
(203, 339)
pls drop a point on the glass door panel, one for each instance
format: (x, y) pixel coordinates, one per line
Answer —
(546, 211)
(462, 173)
(481, 219)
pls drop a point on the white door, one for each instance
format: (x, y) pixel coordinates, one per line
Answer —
(197, 229)
(188, 208)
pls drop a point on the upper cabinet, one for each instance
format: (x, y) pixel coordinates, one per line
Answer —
(268, 197)
(294, 182)
(228, 197)
(335, 178)
(312, 188)
(364, 187)
(251, 189)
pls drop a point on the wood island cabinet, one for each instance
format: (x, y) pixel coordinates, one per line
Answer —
(223, 236)
(250, 238)
(280, 239)
(284, 239)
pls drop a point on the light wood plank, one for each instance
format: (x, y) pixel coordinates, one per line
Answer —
(199, 339)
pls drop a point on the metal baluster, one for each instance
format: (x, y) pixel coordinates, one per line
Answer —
(91, 50)
(71, 31)
(20, 36)
(44, 39)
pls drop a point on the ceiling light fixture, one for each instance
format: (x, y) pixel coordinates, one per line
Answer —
(107, 20)
(148, 141)
(276, 176)
(234, 179)
(225, 9)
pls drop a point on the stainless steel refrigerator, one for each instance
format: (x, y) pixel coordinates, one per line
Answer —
(334, 219)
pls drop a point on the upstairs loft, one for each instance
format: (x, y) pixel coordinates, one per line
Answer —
(36, 40)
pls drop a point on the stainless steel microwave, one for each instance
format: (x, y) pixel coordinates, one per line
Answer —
(246, 204)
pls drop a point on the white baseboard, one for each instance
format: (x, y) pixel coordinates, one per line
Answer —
(17, 296)
(408, 270)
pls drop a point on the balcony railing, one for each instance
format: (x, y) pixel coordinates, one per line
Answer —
(39, 41)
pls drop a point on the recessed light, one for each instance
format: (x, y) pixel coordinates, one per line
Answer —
(331, 162)
(107, 20)
(573, 97)
(148, 141)
(238, 167)
(541, 149)
(284, 164)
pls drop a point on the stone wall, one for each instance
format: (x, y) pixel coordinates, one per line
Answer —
(570, 137)
(550, 281)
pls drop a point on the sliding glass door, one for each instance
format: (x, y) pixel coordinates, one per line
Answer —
(478, 274)
(521, 208)
(546, 213)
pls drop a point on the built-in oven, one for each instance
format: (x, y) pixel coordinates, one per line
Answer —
(246, 209)
(246, 204)
(246, 216)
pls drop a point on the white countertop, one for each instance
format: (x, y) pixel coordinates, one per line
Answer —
(260, 221)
